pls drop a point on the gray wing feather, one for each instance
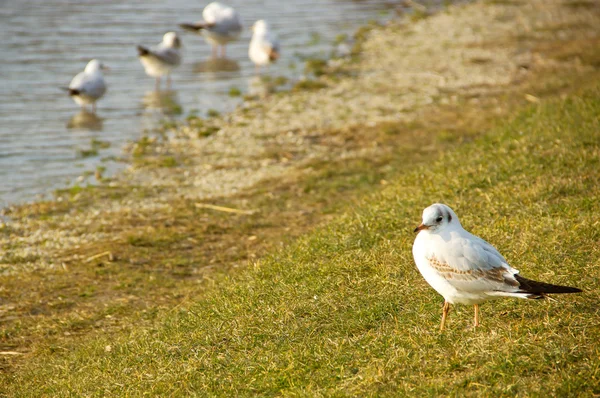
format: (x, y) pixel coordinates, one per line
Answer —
(90, 85)
(169, 56)
(471, 264)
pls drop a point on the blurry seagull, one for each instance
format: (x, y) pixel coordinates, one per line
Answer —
(220, 25)
(162, 59)
(466, 269)
(264, 46)
(88, 86)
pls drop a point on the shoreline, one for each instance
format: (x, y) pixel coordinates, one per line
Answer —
(65, 137)
(291, 161)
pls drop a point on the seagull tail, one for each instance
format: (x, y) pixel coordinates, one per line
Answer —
(273, 55)
(538, 290)
(193, 27)
(142, 51)
(71, 91)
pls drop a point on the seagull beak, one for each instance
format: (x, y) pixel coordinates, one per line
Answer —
(420, 228)
(105, 68)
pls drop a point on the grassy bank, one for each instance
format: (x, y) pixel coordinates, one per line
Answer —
(88, 279)
(344, 312)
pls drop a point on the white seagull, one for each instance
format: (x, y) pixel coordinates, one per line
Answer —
(220, 24)
(88, 86)
(264, 46)
(162, 59)
(466, 269)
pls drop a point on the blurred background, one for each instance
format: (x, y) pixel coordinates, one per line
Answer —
(46, 141)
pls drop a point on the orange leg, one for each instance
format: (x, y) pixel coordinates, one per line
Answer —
(445, 310)
(476, 320)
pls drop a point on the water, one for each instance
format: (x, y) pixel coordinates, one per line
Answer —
(46, 42)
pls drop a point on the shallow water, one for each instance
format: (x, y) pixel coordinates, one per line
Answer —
(47, 42)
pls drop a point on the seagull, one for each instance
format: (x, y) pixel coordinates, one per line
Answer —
(264, 46)
(162, 59)
(88, 86)
(466, 269)
(220, 25)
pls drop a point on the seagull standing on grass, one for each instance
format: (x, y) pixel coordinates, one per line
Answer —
(88, 86)
(220, 24)
(162, 59)
(264, 46)
(466, 269)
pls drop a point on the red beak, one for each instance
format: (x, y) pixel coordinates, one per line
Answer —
(421, 227)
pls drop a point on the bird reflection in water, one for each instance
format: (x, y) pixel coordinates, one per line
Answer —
(85, 120)
(262, 86)
(212, 65)
(163, 101)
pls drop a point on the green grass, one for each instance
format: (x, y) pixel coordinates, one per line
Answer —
(316, 66)
(344, 312)
(234, 92)
(309, 84)
(213, 113)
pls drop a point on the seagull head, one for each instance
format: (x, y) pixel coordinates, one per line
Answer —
(260, 27)
(438, 217)
(95, 66)
(170, 39)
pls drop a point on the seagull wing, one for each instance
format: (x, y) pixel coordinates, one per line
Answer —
(169, 56)
(78, 81)
(166, 55)
(88, 84)
(196, 27)
(222, 19)
(471, 264)
(94, 87)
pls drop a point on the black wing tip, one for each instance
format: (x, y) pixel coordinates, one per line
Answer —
(573, 289)
(191, 27)
(71, 91)
(142, 51)
(538, 290)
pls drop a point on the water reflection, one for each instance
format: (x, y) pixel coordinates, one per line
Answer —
(85, 120)
(163, 101)
(48, 39)
(212, 65)
(263, 85)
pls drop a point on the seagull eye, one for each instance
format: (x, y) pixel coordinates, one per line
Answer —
(439, 219)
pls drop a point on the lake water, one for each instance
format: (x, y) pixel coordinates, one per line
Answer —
(46, 42)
